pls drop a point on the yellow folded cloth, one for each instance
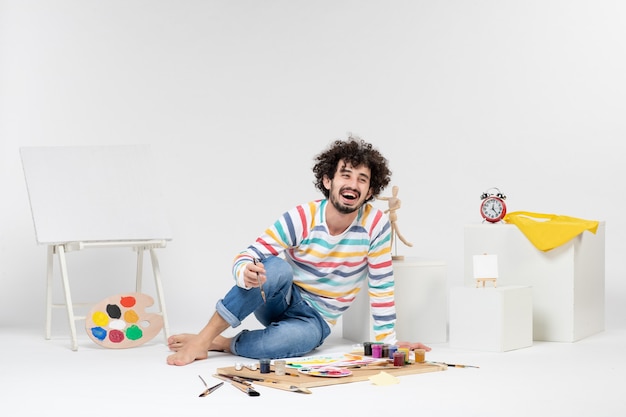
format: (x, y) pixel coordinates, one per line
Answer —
(548, 231)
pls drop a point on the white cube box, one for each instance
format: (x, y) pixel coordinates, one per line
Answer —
(421, 304)
(495, 319)
(567, 282)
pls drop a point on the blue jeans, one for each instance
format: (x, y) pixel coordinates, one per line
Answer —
(292, 327)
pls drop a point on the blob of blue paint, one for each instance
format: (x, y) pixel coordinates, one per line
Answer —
(99, 333)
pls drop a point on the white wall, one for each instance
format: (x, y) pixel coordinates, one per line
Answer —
(236, 97)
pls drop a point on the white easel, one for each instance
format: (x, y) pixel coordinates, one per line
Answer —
(94, 197)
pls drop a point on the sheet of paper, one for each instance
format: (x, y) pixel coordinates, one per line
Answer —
(383, 378)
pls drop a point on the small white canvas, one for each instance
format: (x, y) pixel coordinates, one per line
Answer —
(485, 266)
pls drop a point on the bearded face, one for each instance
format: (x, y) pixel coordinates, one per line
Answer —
(349, 188)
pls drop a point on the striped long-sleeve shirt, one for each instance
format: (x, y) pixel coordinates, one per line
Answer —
(329, 270)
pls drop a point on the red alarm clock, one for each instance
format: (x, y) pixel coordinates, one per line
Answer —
(493, 207)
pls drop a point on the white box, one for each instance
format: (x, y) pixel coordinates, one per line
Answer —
(567, 282)
(491, 319)
(421, 304)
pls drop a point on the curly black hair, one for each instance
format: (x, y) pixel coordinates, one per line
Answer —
(356, 152)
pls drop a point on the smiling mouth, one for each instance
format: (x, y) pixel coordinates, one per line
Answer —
(350, 195)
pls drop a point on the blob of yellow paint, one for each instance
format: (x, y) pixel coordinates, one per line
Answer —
(100, 318)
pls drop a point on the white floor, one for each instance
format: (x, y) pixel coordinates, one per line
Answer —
(585, 378)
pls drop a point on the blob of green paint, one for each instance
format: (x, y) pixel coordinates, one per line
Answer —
(134, 332)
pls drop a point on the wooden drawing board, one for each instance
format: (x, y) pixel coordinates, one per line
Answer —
(358, 374)
(94, 193)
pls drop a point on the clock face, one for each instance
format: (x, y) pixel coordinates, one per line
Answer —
(493, 209)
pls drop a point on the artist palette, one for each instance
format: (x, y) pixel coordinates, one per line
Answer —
(120, 321)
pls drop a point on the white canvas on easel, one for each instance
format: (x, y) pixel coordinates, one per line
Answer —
(95, 197)
(485, 269)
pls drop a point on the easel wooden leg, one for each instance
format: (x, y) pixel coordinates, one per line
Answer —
(157, 282)
(159, 290)
(484, 280)
(139, 278)
(68, 296)
(49, 275)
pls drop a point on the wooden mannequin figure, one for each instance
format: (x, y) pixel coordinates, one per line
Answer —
(394, 204)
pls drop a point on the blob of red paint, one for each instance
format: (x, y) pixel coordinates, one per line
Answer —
(116, 336)
(128, 301)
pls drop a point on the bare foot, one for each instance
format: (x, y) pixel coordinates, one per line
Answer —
(176, 342)
(188, 348)
(220, 344)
